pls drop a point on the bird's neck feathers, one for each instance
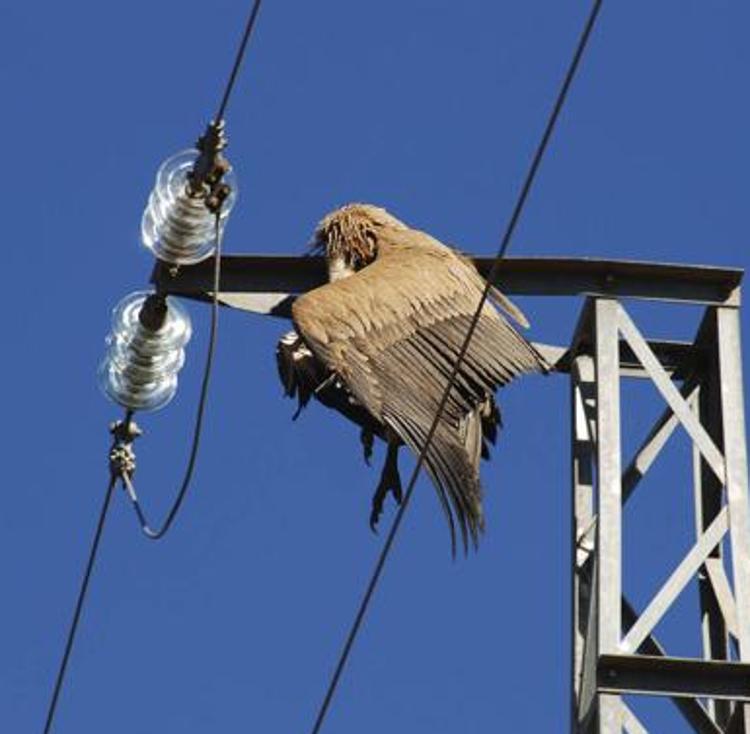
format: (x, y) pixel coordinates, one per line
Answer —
(350, 242)
(349, 237)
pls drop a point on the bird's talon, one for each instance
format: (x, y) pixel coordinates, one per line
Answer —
(367, 439)
(377, 509)
(377, 505)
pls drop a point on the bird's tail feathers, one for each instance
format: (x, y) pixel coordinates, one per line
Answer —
(452, 462)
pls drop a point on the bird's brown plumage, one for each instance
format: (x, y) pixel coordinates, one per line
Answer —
(390, 326)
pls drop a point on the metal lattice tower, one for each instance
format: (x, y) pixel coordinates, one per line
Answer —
(614, 650)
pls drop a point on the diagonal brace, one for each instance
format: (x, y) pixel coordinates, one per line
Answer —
(653, 444)
(686, 570)
(717, 575)
(671, 394)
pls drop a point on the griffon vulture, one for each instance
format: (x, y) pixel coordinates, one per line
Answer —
(378, 341)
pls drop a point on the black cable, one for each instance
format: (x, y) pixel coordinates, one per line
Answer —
(79, 605)
(238, 60)
(562, 94)
(148, 531)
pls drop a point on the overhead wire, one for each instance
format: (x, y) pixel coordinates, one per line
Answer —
(114, 476)
(52, 707)
(238, 60)
(491, 276)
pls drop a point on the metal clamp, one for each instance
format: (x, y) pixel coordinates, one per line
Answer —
(122, 455)
(210, 167)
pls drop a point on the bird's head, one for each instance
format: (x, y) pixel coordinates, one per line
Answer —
(351, 234)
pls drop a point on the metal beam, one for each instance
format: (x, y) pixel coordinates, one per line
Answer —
(735, 451)
(582, 380)
(274, 274)
(708, 491)
(690, 708)
(630, 721)
(609, 529)
(610, 714)
(609, 525)
(717, 575)
(735, 725)
(673, 677)
(677, 358)
(587, 698)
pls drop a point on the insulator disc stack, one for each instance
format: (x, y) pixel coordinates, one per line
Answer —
(176, 224)
(139, 370)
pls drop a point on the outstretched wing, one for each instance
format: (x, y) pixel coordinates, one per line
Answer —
(393, 332)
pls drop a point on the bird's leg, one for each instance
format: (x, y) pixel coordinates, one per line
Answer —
(367, 439)
(390, 481)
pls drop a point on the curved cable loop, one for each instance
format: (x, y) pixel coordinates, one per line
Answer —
(125, 476)
(510, 228)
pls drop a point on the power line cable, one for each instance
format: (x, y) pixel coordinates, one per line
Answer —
(510, 228)
(79, 604)
(238, 60)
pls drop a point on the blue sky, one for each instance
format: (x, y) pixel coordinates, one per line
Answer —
(431, 109)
